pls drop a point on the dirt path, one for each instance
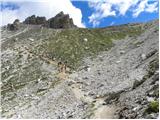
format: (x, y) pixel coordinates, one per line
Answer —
(100, 111)
(104, 112)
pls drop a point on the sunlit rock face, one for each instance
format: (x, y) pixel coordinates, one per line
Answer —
(14, 26)
(61, 20)
(35, 20)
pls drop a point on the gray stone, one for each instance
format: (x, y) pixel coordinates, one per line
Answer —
(61, 20)
(122, 52)
(149, 99)
(143, 56)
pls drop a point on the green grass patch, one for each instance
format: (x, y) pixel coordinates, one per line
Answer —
(70, 45)
(153, 107)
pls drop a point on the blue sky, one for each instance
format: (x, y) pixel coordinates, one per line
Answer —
(85, 13)
(113, 20)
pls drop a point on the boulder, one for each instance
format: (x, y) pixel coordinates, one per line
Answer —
(85, 39)
(118, 61)
(143, 56)
(122, 52)
(31, 39)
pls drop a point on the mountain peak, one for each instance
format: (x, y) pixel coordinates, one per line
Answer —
(61, 20)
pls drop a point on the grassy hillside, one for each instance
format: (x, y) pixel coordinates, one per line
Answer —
(72, 45)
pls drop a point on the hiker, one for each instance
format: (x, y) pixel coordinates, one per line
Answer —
(62, 67)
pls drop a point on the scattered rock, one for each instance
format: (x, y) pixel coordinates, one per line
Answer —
(69, 116)
(16, 39)
(85, 39)
(91, 93)
(31, 39)
(70, 83)
(118, 61)
(86, 48)
(85, 77)
(39, 80)
(98, 72)
(101, 58)
(87, 68)
(149, 99)
(126, 113)
(122, 52)
(106, 80)
(151, 53)
(157, 71)
(137, 82)
(152, 116)
(136, 108)
(143, 56)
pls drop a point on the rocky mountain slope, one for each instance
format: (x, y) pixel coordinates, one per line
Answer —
(112, 72)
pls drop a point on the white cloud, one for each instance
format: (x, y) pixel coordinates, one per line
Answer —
(47, 8)
(102, 10)
(145, 6)
(105, 8)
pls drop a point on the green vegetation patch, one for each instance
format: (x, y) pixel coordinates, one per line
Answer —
(153, 107)
(72, 45)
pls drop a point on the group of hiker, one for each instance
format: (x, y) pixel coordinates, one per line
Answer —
(62, 66)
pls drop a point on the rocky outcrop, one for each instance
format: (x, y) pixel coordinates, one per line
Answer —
(61, 20)
(35, 20)
(14, 26)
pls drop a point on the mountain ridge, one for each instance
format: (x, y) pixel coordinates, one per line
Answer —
(111, 69)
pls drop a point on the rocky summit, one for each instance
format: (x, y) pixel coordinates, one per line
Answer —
(35, 20)
(61, 20)
(50, 73)
(14, 26)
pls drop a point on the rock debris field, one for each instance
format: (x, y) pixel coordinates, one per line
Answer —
(118, 81)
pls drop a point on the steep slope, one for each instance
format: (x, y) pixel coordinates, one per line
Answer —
(107, 67)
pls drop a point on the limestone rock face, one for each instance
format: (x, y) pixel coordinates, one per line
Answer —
(35, 20)
(30, 20)
(14, 26)
(61, 20)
